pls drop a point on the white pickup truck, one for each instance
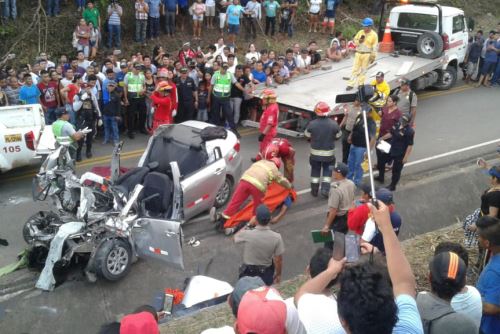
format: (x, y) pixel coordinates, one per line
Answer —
(23, 136)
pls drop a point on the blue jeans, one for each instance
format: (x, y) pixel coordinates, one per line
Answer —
(50, 116)
(110, 128)
(10, 9)
(154, 27)
(52, 7)
(114, 31)
(80, 3)
(140, 30)
(170, 22)
(72, 115)
(496, 77)
(356, 157)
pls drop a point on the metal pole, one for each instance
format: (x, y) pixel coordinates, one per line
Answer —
(367, 138)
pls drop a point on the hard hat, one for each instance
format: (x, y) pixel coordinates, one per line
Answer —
(164, 85)
(269, 94)
(321, 109)
(367, 22)
(271, 151)
(283, 145)
(277, 162)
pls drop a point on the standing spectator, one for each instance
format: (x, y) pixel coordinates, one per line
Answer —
(91, 14)
(198, 10)
(488, 283)
(210, 13)
(492, 47)
(483, 53)
(271, 7)
(80, 4)
(115, 13)
(473, 55)
(154, 18)
(447, 274)
(253, 15)
(12, 91)
(339, 201)
(408, 100)
(150, 88)
(68, 94)
(202, 114)
(187, 96)
(237, 94)
(49, 97)
(288, 10)
(82, 33)
(94, 41)
(9, 9)
(135, 98)
(52, 8)
(183, 13)
(141, 21)
(111, 113)
(314, 10)
(329, 19)
(234, 12)
(171, 10)
(358, 150)
(4, 100)
(87, 112)
(263, 249)
(29, 93)
(222, 8)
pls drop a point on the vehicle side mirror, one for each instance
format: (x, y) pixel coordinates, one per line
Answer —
(471, 23)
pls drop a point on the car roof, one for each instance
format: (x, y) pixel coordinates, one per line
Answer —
(431, 10)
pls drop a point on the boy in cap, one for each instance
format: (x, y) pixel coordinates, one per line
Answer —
(447, 276)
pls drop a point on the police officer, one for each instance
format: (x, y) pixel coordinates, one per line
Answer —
(87, 113)
(340, 200)
(322, 133)
(64, 131)
(135, 99)
(263, 249)
(188, 96)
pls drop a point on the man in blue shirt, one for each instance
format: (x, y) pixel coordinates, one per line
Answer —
(171, 9)
(233, 13)
(489, 280)
(492, 47)
(154, 18)
(29, 93)
(329, 19)
(183, 12)
(258, 73)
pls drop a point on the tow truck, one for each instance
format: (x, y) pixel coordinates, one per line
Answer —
(430, 43)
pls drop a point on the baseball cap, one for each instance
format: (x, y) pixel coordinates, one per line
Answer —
(184, 70)
(122, 65)
(262, 311)
(243, 285)
(138, 66)
(143, 322)
(447, 266)
(61, 111)
(341, 168)
(225, 64)
(384, 195)
(263, 214)
(494, 171)
(380, 74)
(404, 81)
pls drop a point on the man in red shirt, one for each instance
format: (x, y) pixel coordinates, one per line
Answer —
(269, 119)
(49, 97)
(186, 53)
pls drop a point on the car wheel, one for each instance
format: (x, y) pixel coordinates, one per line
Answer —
(224, 193)
(113, 259)
(430, 45)
(447, 78)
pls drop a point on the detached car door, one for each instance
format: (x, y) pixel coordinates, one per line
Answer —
(160, 240)
(200, 188)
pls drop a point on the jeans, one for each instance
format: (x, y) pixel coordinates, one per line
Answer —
(114, 31)
(110, 128)
(140, 30)
(72, 115)
(356, 157)
(10, 9)
(80, 3)
(217, 105)
(270, 23)
(235, 103)
(50, 116)
(496, 77)
(202, 115)
(286, 27)
(170, 22)
(154, 27)
(250, 27)
(84, 48)
(52, 7)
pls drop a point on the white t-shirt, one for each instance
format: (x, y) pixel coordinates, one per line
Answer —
(469, 303)
(251, 55)
(315, 6)
(318, 314)
(293, 323)
(301, 62)
(221, 330)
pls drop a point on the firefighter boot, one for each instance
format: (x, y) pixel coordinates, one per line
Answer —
(314, 189)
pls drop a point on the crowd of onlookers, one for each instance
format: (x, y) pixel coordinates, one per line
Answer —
(482, 62)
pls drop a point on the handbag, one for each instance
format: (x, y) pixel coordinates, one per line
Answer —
(470, 237)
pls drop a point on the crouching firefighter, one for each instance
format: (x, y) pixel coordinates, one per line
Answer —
(254, 183)
(286, 153)
(321, 132)
(87, 112)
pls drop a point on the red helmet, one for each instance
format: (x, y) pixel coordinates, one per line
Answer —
(269, 94)
(277, 162)
(322, 109)
(164, 85)
(283, 145)
(271, 151)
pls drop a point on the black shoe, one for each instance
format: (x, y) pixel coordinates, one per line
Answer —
(4, 242)
(131, 135)
(88, 154)
(391, 187)
(378, 179)
(253, 159)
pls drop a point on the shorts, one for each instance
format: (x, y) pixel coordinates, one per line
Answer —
(488, 68)
(210, 11)
(472, 67)
(233, 29)
(222, 20)
(183, 11)
(197, 17)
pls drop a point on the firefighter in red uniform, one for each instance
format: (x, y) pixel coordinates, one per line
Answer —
(269, 119)
(286, 152)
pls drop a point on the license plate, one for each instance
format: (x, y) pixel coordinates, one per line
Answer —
(13, 138)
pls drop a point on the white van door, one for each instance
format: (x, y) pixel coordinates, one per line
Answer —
(459, 38)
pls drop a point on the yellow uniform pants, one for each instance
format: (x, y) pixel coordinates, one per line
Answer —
(361, 62)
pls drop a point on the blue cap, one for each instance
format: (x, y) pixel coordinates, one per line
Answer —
(61, 111)
(263, 214)
(367, 22)
(341, 168)
(494, 171)
(384, 195)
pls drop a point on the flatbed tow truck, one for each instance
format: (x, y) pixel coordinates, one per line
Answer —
(430, 40)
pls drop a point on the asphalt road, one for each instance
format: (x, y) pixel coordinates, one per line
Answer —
(452, 127)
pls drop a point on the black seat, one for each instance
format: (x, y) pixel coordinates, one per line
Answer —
(158, 184)
(127, 182)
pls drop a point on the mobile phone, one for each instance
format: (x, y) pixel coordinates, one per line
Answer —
(352, 248)
(168, 304)
(338, 246)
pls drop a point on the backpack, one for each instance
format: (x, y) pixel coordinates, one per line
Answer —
(427, 324)
(412, 93)
(213, 132)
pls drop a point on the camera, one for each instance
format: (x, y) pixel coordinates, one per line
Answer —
(364, 94)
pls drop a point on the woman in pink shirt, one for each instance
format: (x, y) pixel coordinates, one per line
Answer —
(82, 33)
(198, 9)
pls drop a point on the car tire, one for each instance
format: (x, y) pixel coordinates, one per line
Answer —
(447, 78)
(430, 45)
(224, 193)
(113, 259)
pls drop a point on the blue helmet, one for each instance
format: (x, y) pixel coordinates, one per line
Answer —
(367, 22)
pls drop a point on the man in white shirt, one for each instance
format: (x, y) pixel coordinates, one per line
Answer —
(253, 15)
(303, 61)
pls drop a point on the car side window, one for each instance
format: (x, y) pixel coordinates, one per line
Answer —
(458, 24)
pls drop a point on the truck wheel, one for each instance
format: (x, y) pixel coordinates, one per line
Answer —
(430, 45)
(113, 259)
(224, 193)
(447, 78)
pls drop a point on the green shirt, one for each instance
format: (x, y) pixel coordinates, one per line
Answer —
(271, 8)
(91, 15)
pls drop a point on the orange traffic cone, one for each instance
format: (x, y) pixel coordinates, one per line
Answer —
(387, 44)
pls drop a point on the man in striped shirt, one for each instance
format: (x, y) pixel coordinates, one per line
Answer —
(141, 21)
(115, 12)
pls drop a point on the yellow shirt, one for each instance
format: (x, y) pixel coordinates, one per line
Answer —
(369, 44)
(382, 87)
